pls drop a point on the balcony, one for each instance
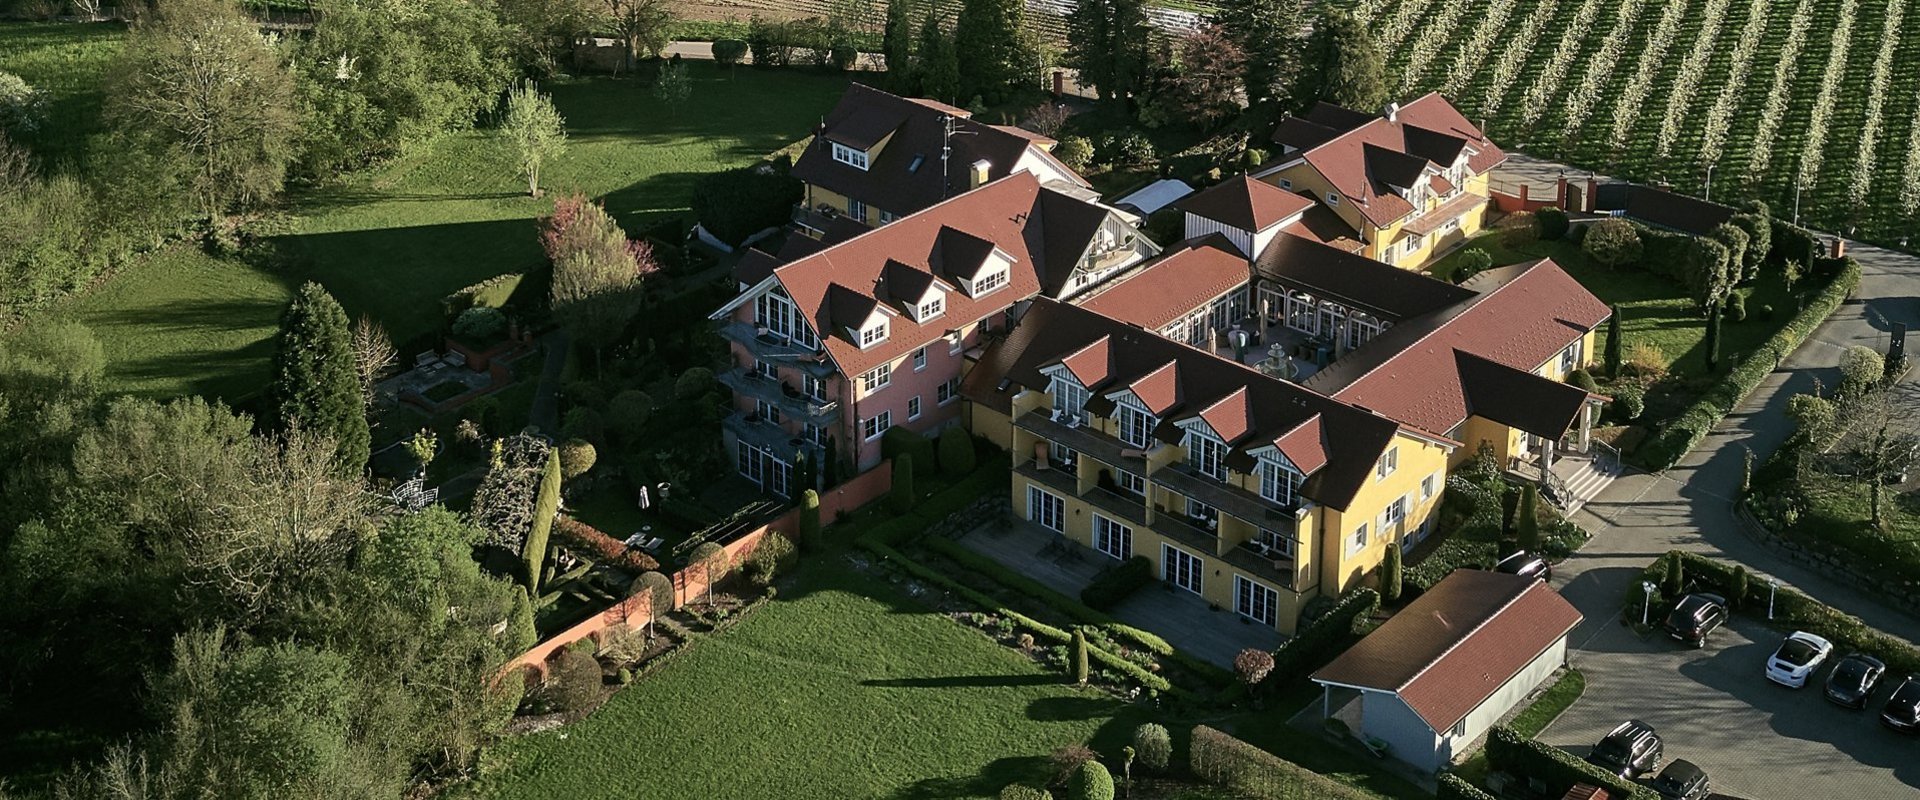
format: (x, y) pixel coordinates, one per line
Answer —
(1062, 482)
(1082, 439)
(1187, 531)
(1120, 506)
(749, 428)
(747, 383)
(1256, 510)
(768, 347)
(1262, 563)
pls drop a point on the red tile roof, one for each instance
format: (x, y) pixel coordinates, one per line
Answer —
(1230, 417)
(1458, 644)
(1160, 388)
(1093, 363)
(1166, 289)
(1305, 445)
(1526, 314)
(1361, 158)
(1244, 203)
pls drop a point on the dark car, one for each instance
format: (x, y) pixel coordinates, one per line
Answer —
(1853, 679)
(1631, 750)
(1696, 616)
(1681, 780)
(1526, 565)
(1902, 711)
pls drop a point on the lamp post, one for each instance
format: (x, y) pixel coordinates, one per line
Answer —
(1646, 604)
(1709, 197)
(1773, 586)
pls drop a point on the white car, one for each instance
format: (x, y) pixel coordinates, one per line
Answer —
(1797, 658)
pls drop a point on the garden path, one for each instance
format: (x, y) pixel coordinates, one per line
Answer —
(1691, 506)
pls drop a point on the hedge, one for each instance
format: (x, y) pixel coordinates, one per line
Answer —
(1117, 584)
(1508, 751)
(1454, 787)
(1251, 772)
(942, 504)
(1318, 642)
(1685, 432)
(601, 547)
(493, 292)
(1792, 610)
(737, 203)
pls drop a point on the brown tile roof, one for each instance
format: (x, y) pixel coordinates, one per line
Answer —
(1244, 203)
(1337, 442)
(893, 181)
(1353, 280)
(1458, 644)
(1581, 791)
(1182, 279)
(1518, 398)
(1092, 364)
(1522, 316)
(755, 265)
(1324, 225)
(1365, 153)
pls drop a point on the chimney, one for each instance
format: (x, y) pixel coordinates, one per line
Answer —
(1393, 112)
(977, 175)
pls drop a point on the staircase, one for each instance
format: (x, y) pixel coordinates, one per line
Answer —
(1592, 476)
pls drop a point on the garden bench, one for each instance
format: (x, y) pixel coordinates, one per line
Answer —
(425, 358)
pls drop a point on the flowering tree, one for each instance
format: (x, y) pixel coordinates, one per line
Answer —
(596, 271)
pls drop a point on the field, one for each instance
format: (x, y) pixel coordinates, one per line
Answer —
(391, 242)
(69, 63)
(1769, 94)
(839, 688)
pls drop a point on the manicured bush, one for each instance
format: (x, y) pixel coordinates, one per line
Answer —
(1090, 781)
(1453, 787)
(693, 383)
(582, 423)
(1552, 222)
(1154, 746)
(493, 292)
(900, 441)
(1392, 575)
(1736, 307)
(574, 682)
(590, 542)
(1317, 642)
(773, 555)
(901, 497)
(1021, 791)
(810, 520)
(1792, 243)
(1253, 665)
(479, 325)
(1117, 584)
(1251, 772)
(734, 204)
(1793, 610)
(1074, 151)
(1080, 669)
(577, 456)
(1510, 752)
(1629, 402)
(1582, 379)
(1682, 434)
(1473, 261)
(1861, 368)
(1612, 243)
(729, 52)
(956, 452)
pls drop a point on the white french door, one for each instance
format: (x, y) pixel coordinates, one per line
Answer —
(1112, 538)
(1180, 568)
(1254, 601)
(1047, 509)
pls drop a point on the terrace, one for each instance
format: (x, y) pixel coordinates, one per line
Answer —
(791, 401)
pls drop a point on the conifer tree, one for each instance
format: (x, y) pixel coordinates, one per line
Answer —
(315, 384)
(1343, 66)
(534, 553)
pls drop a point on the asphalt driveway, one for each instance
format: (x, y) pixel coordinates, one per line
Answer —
(1714, 707)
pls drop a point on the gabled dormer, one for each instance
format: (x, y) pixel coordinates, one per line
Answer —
(915, 292)
(1248, 212)
(861, 319)
(979, 267)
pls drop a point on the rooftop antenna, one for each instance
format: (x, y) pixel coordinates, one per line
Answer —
(947, 132)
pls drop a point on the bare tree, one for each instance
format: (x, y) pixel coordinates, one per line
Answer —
(89, 9)
(373, 355)
(641, 24)
(1882, 451)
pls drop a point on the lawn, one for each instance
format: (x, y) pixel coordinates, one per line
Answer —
(393, 241)
(840, 688)
(69, 63)
(1533, 719)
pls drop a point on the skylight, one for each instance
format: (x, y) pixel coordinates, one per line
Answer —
(918, 159)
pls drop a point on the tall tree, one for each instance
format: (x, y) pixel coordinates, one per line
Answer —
(1203, 89)
(373, 355)
(1616, 343)
(596, 271)
(541, 32)
(989, 36)
(1268, 33)
(1390, 574)
(545, 506)
(641, 24)
(938, 67)
(534, 130)
(1343, 66)
(1108, 41)
(896, 44)
(1712, 344)
(200, 81)
(1882, 449)
(1527, 519)
(316, 384)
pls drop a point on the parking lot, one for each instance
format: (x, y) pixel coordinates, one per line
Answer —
(1714, 707)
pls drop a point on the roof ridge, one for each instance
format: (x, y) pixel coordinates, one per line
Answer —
(1482, 624)
(825, 253)
(1470, 303)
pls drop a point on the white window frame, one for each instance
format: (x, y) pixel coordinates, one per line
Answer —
(766, 412)
(948, 391)
(852, 157)
(1570, 357)
(873, 334)
(919, 359)
(887, 217)
(1429, 485)
(1393, 515)
(913, 407)
(875, 379)
(1112, 538)
(1068, 395)
(1039, 509)
(857, 210)
(989, 283)
(1202, 511)
(1333, 198)
(1286, 183)
(815, 387)
(782, 319)
(1190, 563)
(1413, 244)
(1135, 420)
(955, 341)
(1278, 483)
(1207, 455)
(1358, 541)
(932, 308)
(1130, 482)
(1277, 543)
(1255, 600)
(1063, 456)
(878, 424)
(1389, 461)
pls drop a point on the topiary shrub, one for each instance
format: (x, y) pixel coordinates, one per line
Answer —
(692, 383)
(1473, 261)
(956, 452)
(582, 423)
(1021, 791)
(810, 520)
(575, 682)
(1582, 379)
(771, 557)
(901, 497)
(479, 325)
(1154, 746)
(898, 441)
(576, 457)
(1074, 151)
(1861, 368)
(1613, 243)
(729, 52)
(1552, 222)
(1736, 307)
(1090, 781)
(1629, 402)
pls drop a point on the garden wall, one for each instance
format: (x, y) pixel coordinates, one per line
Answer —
(690, 583)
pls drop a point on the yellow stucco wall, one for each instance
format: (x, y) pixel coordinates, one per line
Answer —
(1382, 242)
(1342, 567)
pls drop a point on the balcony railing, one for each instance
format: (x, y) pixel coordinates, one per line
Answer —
(782, 395)
(750, 428)
(769, 347)
(1263, 563)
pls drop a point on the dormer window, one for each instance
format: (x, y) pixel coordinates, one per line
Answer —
(1333, 199)
(873, 334)
(1278, 483)
(1207, 455)
(849, 156)
(987, 282)
(931, 307)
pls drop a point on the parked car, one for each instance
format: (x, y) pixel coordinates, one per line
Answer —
(1681, 780)
(1631, 750)
(1853, 678)
(1527, 565)
(1902, 711)
(1696, 616)
(1797, 659)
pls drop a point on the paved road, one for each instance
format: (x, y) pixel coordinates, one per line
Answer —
(1713, 707)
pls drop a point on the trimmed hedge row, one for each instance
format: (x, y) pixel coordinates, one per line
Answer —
(1454, 787)
(943, 504)
(1117, 584)
(1510, 752)
(601, 547)
(1792, 610)
(1251, 772)
(1666, 447)
(1319, 641)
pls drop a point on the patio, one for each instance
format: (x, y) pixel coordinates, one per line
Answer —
(1251, 342)
(1183, 619)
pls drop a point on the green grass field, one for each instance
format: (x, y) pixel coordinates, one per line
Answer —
(839, 688)
(393, 241)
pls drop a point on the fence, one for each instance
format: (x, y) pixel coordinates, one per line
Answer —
(690, 583)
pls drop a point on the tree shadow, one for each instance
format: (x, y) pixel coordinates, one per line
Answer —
(1072, 708)
(990, 780)
(955, 681)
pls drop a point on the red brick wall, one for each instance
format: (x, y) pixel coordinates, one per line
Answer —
(689, 584)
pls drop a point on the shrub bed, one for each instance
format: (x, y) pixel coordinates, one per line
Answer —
(1317, 642)
(1117, 584)
(1454, 787)
(1666, 447)
(601, 547)
(1510, 752)
(1251, 772)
